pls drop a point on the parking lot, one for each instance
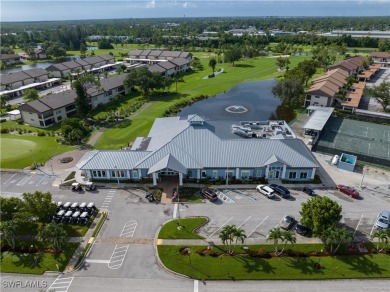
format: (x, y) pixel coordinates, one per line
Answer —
(21, 181)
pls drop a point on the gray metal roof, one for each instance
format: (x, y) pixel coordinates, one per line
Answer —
(168, 161)
(114, 159)
(107, 84)
(49, 102)
(177, 145)
(319, 118)
(36, 72)
(197, 147)
(13, 77)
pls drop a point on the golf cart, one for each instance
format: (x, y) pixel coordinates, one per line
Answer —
(76, 187)
(150, 197)
(90, 186)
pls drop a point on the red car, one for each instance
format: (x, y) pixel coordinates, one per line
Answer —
(348, 191)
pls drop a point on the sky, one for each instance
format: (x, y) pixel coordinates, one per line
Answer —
(31, 10)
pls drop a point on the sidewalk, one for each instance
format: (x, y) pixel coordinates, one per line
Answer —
(87, 238)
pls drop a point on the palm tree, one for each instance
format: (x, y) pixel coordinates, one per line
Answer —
(383, 236)
(54, 233)
(227, 236)
(9, 230)
(212, 64)
(334, 235)
(275, 234)
(288, 237)
(239, 235)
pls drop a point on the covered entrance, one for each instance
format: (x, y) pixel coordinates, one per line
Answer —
(168, 167)
(274, 174)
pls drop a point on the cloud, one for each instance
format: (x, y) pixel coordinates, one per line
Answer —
(189, 5)
(151, 4)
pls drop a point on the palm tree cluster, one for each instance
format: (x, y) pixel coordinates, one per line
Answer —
(230, 235)
(383, 237)
(279, 235)
(336, 236)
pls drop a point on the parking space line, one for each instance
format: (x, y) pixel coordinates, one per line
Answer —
(257, 226)
(97, 261)
(45, 176)
(244, 222)
(9, 179)
(220, 227)
(129, 228)
(24, 180)
(196, 285)
(373, 226)
(353, 235)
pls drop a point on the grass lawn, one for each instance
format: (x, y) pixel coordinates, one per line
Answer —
(170, 230)
(281, 268)
(15, 149)
(243, 71)
(71, 230)
(15, 262)
(15, 125)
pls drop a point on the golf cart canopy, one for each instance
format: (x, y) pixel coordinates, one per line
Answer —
(75, 184)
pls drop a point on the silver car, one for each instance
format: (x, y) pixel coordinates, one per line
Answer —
(383, 220)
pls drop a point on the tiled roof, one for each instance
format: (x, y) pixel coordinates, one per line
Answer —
(384, 55)
(107, 84)
(36, 72)
(50, 102)
(13, 77)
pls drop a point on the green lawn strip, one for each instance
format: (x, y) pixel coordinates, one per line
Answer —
(100, 224)
(31, 228)
(15, 149)
(277, 268)
(23, 263)
(188, 225)
(83, 254)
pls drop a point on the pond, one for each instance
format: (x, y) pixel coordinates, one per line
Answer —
(246, 101)
(92, 48)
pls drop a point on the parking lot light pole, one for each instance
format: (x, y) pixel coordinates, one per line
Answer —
(364, 173)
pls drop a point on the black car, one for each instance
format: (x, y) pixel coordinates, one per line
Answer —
(282, 191)
(287, 222)
(302, 229)
(150, 197)
(309, 191)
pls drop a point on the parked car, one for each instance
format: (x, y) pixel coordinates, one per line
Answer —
(348, 191)
(266, 191)
(281, 190)
(308, 190)
(383, 220)
(210, 195)
(287, 222)
(302, 229)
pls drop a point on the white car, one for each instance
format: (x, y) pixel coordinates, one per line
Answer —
(266, 191)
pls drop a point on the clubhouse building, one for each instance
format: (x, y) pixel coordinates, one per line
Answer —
(192, 148)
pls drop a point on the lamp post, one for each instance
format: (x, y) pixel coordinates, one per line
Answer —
(364, 173)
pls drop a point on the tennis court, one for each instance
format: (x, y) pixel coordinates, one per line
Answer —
(369, 142)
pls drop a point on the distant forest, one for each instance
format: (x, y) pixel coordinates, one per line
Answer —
(183, 32)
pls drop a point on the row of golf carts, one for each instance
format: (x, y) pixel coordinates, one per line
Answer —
(73, 213)
(89, 186)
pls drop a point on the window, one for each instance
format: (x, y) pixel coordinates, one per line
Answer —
(215, 174)
(292, 174)
(317, 96)
(98, 173)
(245, 174)
(32, 120)
(58, 112)
(259, 173)
(204, 173)
(134, 173)
(303, 175)
(59, 118)
(118, 173)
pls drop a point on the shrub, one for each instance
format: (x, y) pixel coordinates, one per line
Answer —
(19, 121)
(211, 76)
(2, 120)
(4, 130)
(40, 133)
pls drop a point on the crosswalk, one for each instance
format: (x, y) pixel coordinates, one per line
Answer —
(61, 284)
(118, 256)
(129, 229)
(107, 200)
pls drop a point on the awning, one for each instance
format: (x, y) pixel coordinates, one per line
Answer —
(169, 161)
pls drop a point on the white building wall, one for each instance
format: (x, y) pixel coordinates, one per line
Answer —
(56, 74)
(319, 100)
(31, 119)
(60, 114)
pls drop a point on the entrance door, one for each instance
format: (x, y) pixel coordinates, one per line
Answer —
(274, 174)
